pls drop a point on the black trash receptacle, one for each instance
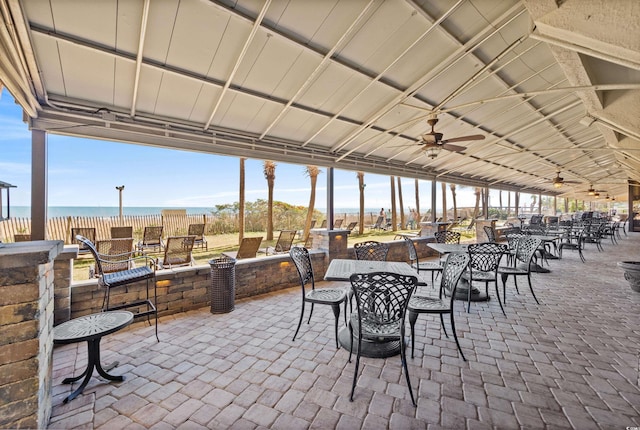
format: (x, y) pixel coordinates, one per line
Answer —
(223, 285)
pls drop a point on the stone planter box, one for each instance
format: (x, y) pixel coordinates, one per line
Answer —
(631, 273)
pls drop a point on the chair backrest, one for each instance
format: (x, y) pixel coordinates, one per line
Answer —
(371, 250)
(337, 224)
(285, 240)
(177, 251)
(381, 300)
(196, 230)
(513, 239)
(490, 233)
(411, 248)
(121, 232)
(302, 261)
(379, 222)
(526, 249)
(352, 225)
(152, 235)
(313, 224)
(115, 254)
(22, 237)
(324, 224)
(447, 236)
(89, 246)
(249, 247)
(485, 257)
(536, 219)
(454, 266)
(86, 232)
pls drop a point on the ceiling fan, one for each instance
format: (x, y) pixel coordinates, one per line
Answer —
(559, 181)
(432, 142)
(593, 192)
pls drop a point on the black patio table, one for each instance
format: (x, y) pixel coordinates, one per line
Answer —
(341, 270)
(91, 328)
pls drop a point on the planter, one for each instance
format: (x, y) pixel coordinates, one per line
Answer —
(631, 273)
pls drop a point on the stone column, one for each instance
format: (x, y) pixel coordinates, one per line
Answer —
(333, 242)
(26, 324)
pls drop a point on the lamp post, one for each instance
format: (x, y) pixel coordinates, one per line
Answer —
(120, 188)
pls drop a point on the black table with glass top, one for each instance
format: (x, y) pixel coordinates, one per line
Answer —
(341, 270)
(91, 328)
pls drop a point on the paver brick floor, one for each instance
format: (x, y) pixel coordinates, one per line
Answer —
(570, 362)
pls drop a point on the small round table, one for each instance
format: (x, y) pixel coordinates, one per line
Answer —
(91, 328)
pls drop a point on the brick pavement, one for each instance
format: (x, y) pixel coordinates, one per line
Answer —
(570, 362)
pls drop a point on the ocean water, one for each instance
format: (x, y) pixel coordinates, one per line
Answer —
(107, 211)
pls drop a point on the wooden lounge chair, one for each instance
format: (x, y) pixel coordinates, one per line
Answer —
(121, 232)
(177, 252)
(285, 240)
(197, 230)
(248, 248)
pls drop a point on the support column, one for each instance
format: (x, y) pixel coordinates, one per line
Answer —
(330, 198)
(433, 200)
(38, 185)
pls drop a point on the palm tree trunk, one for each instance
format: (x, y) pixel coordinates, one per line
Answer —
(270, 176)
(312, 172)
(452, 187)
(476, 209)
(241, 204)
(444, 201)
(402, 223)
(361, 188)
(500, 199)
(418, 216)
(394, 224)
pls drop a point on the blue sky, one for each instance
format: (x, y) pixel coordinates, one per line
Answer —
(85, 172)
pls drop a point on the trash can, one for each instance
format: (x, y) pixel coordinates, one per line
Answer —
(223, 285)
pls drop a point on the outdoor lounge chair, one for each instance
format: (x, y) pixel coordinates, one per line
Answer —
(248, 248)
(379, 225)
(197, 230)
(151, 239)
(121, 232)
(285, 240)
(177, 252)
(337, 224)
(351, 226)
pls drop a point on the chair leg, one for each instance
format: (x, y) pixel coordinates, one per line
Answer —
(469, 296)
(299, 322)
(498, 296)
(336, 314)
(531, 288)
(355, 372)
(413, 317)
(310, 313)
(455, 336)
(443, 326)
(403, 357)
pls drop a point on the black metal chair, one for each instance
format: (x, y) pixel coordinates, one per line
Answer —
(146, 271)
(490, 233)
(447, 236)
(442, 304)
(323, 296)
(421, 266)
(573, 239)
(483, 265)
(524, 255)
(371, 250)
(381, 301)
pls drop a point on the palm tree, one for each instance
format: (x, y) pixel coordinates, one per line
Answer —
(269, 171)
(452, 187)
(444, 201)
(402, 224)
(533, 202)
(361, 186)
(500, 198)
(418, 216)
(394, 225)
(241, 203)
(476, 209)
(312, 172)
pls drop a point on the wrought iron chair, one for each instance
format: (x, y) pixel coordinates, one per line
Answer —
(442, 304)
(87, 232)
(151, 239)
(490, 233)
(421, 266)
(121, 232)
(116, 254)
(371, 250)
(283, 244)
(573, 238)
(323, 296)
(447, 236)
(483, 265)
(144, 270)
(525, 252)
(248, 248)
(178, 252)
(381, 301)
(197, 230)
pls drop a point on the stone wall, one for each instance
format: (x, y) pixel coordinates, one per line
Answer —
(26, 321)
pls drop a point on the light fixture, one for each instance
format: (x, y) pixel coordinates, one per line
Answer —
(433, 151)
(557, 184)
(596, 195)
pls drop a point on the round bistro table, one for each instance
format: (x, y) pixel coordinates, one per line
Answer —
(91, 328)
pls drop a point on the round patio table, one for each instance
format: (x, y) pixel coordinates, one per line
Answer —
(91, 328)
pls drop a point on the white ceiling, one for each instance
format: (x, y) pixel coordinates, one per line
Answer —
(347, 84)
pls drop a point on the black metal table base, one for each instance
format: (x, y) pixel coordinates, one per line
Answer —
(93, 361)
(371, 349)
